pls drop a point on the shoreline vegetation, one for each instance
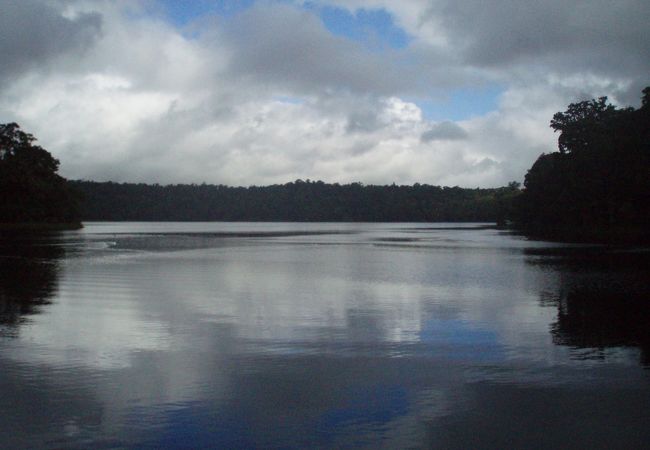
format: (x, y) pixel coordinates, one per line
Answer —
(595, 188)
(35, 196)
(299, 201)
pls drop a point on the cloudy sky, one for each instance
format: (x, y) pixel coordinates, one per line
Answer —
(242, 92)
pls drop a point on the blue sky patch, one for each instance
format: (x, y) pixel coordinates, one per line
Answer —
(374, 28)
(462, 104)
(182, 12)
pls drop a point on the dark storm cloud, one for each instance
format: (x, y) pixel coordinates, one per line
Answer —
(288, 47)
(444, 131)
(599, 37)
(32, 33)
(504, 31)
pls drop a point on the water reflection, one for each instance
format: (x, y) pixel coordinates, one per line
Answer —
(29, 272)
(593, 318)
(292, 339)
(602, 297)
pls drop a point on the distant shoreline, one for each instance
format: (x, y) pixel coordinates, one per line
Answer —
(299, 201)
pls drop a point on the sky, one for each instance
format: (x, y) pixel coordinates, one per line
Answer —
(257, 92)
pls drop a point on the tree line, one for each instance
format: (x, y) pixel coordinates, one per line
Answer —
(596, 187)
(295, 201)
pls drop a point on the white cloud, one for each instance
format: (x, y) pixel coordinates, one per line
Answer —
(270, 95)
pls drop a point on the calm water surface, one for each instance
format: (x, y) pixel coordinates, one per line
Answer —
(244, 335)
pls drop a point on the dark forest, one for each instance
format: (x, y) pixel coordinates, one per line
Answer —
(596, 187)
(297, 201)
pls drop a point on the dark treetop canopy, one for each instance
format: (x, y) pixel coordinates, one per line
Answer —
(32, 191)
(298, 201)
(597, 187)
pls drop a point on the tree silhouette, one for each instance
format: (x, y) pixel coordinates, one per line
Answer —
(597, 186)
(32, 190)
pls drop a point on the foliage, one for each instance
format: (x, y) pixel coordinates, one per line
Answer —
(597, 187)
(32, 190)
(297, 201)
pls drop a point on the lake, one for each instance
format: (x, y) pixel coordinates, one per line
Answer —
(325, 335)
